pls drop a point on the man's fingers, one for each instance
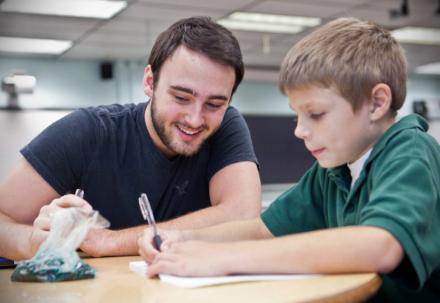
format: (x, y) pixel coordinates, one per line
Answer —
(71, 201)
(42, 222)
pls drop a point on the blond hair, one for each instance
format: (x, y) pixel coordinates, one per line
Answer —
(351, 56)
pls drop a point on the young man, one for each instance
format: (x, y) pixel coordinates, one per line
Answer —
(186, 148)
(371, 203)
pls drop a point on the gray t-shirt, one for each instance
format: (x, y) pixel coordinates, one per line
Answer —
(107, 152)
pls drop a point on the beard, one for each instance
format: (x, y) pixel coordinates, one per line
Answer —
(165, 134)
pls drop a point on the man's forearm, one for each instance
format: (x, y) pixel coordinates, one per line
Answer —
(18, 241)
(105, 242)
(124, 242)
(202, 218)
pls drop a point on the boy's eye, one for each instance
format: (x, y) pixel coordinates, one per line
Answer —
(316, 115)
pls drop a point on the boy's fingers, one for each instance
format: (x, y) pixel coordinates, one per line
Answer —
(160, 267)
(147, 254)
(146, 248)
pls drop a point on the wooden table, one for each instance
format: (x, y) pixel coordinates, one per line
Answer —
(116, 283)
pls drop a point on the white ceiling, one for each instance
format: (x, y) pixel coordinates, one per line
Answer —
(130, 34)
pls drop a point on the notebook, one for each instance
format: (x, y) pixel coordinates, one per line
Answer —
(141, 267)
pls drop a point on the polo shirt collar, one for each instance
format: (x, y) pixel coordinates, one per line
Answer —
(341, 174)
(407, 122)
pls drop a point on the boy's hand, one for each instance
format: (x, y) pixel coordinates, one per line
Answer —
(43, 219)
(146, 246)
(191, 258)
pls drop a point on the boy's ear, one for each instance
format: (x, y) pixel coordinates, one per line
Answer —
(380, 101)
(148, 81)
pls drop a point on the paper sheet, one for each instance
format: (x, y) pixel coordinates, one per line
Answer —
(194, 282)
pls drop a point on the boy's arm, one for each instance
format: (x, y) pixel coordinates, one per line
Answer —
(339, 250)
(226, 232)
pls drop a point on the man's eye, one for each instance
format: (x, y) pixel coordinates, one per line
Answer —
(182, 99)
(213, 105)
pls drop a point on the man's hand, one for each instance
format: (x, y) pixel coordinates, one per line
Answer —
(190, 258)
(43, 220)
(37, 237)
(146, 246)
(41, 226)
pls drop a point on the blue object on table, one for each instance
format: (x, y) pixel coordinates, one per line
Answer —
(6, 263)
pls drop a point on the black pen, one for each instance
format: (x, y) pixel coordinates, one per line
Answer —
(147, 213)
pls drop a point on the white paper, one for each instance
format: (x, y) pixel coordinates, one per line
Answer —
(194, 282)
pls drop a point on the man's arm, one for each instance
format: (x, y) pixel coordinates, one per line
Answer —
(338, 250)
(22, 194)
(235, 193)
(19, 241)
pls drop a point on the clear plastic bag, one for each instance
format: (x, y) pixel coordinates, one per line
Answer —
(57, 259)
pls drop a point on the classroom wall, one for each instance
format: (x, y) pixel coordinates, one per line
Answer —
(77, 83)
(74, 83)
(17, 128)
(68, 84)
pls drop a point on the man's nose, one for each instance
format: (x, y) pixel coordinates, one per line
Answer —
(195, 116)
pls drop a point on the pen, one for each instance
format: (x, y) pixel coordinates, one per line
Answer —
(79, 193)
(147, 213)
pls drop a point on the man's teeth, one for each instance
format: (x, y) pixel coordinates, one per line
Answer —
(188, 131)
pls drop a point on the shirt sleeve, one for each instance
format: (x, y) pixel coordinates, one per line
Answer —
(231, 143)
(299, 209)
(62, 152)
(405, 203)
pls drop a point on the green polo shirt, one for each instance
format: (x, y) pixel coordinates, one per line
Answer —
(398, 190)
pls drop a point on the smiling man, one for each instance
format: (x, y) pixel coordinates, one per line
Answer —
(193, 114)
(187, 148)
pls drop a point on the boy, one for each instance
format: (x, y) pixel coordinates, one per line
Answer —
(369, 204)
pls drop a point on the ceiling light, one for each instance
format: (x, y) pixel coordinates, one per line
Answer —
(271, 28)
(417, 35)
(268, 22)
(33, 46)
(100, 9)
(432, 68)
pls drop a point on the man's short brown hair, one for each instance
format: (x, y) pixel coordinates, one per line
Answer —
(351, 56)
(202, 35)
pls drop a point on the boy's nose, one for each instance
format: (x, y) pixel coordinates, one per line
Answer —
(301, 131)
